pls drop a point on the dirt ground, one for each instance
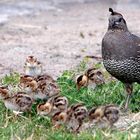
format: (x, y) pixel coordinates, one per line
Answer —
(59, 35)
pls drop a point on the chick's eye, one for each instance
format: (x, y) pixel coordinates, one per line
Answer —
(116, 112)
(108, 112)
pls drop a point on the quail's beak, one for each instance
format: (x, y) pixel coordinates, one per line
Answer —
(116, 23)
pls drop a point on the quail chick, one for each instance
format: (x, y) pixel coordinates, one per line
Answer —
(104, 116)
(111, 114)
(29, 86)
(18, 103)
(32, 67)
(42, 89)
(96, 114)
(81, 81)
(76, 115)
(95, 77)
(4, 92)
(39, 87)
(90, 79)
(27, 78)
(44, 109)
(49, 88)
(59, 119)
(121, 53)
(53, 105)
(59, 102)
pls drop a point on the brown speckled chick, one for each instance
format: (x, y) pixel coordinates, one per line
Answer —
(104, 116)
(90, 79)
(72, 118)
(18, 103)
(54, 104)
(76, 115)
(40, 87)
(32, 67)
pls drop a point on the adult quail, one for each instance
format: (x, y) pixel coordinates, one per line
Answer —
(121, 53)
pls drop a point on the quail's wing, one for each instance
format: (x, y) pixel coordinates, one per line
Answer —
(120, 45)
(136, 39)
(135, 48)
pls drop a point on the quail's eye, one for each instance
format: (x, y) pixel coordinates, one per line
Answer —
(27, 85)
(120, 19)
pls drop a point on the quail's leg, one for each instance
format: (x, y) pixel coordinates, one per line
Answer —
(129, 89)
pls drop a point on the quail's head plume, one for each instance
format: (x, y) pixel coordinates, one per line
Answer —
(121, 53)
(116, 21)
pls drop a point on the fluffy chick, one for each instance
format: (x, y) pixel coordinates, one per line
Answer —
(90, 79)
(59, 102)
(53, 105)
(104, 116)
(19, 102)
(44, 109)
(41, 89)
(59, 118)
(112, 114)
(95, 76)
(76, 115)
(32, 67)
(81, 81)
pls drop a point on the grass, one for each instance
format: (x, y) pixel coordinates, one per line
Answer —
(34, 127)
